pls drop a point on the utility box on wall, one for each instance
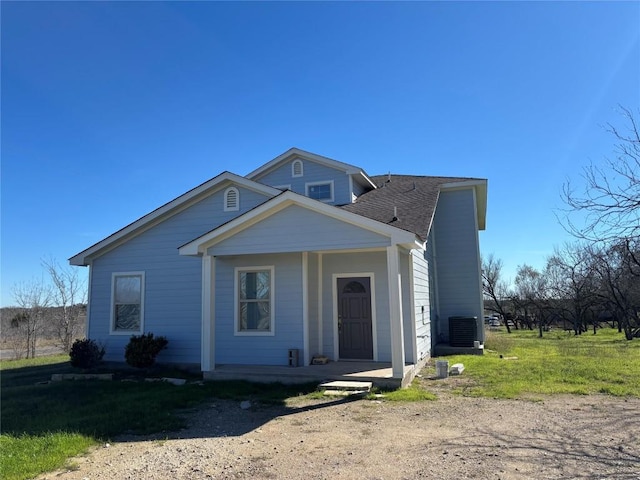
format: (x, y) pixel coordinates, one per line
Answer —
(463, 331)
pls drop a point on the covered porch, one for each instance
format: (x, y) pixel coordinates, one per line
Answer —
(308, 300)
(379, 373)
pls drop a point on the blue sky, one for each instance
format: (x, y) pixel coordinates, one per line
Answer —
(110, 109)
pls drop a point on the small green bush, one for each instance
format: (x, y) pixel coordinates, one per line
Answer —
(142, 350)
(86, 353)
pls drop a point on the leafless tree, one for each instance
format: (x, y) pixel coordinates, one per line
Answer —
(12, 339)
(33, 298)
(610, 203)
(572, 282)
(69, 294)
(617, 272)
(494, 288)
(611, 195)
(532, 295)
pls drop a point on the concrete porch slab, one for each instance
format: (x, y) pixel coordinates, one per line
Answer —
(379, 374)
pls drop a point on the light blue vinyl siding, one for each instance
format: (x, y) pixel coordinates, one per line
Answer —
(458, 259)
(421, 306)
(296, 229)
(172, 303)
(407, 327)
(356, 263)
(313, 304)
(288, 333)
(312, 172)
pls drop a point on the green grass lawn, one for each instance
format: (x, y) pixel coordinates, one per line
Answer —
(44, 424)
(560, 362)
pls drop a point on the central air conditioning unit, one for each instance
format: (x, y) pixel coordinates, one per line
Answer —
(463, 331)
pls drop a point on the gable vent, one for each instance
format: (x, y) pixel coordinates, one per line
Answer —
(296, 168)
(231, 199)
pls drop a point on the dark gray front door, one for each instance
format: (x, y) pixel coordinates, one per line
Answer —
(354, 318)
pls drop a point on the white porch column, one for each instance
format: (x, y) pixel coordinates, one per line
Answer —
(305, 307)
(320, 302)
(395, 311)
(207, 360)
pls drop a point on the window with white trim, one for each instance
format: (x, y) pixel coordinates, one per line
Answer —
(322, 191)
(297, 168)
(127, 303)
(231, 199)
(254, 300)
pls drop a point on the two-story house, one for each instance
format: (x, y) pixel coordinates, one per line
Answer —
(304, 254)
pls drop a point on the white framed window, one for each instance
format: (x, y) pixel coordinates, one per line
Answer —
(297, 169)
(322, 191)
(231, 199)
(254, 306)
(127, 303)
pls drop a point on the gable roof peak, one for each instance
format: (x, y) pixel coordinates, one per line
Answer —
(295, 152)
(168, 209)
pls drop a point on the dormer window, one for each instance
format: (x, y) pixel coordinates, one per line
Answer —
(231, 199)
(296, 168)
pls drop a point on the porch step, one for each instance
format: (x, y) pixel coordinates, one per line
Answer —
(345, 388)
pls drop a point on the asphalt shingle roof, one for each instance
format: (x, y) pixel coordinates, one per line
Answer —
(414, 199)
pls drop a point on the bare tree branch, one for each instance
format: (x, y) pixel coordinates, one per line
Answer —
(610, 199)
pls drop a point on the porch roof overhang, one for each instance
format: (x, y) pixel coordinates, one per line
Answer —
(199, 245)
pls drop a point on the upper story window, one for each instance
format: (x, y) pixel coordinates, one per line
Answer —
(322, 191)
(296, 168)
(231, 199)
(127, 303)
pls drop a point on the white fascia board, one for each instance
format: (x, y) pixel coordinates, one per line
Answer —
(365, 179)
(199, 245)
(481, 186)
(167, 210)
(296, 152)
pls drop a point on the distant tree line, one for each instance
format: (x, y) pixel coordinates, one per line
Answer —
(596, 279)
(53, 309)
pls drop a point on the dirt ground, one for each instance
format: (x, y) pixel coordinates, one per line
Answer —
(585, 437)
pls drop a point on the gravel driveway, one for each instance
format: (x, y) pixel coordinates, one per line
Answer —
(585, 437)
